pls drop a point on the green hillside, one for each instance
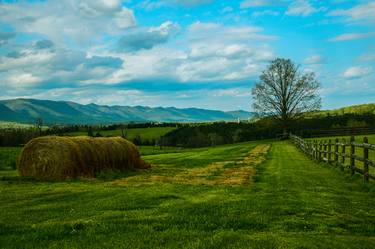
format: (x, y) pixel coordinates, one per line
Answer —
(354, 109)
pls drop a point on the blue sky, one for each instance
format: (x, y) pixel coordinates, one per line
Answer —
(183, 53)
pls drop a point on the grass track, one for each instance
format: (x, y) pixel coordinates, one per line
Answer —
(293, 204)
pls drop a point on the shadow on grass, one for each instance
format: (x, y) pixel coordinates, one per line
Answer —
(107, 175)
(21, 179)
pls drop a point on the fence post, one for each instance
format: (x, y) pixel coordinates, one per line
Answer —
(336, 151)
(352, 154)
(325, 149)
(329, 150)
(320, 151)
(314, 149)
(343, 153)
(365, 163)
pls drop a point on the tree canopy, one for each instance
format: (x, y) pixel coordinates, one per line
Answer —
(285, 92)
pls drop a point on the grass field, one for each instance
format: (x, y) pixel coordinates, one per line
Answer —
(15, 125)
(146, 150)
(8, 157)
(7, 125)
(145, 133)
(358, 139)
(222, 197)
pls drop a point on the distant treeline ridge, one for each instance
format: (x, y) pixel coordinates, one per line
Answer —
(210, 134)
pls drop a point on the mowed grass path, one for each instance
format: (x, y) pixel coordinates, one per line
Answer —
(292, 203)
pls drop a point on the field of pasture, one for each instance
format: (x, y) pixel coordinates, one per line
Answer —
(263, 194)
(14, 125)
(358, 138)
(8, 157)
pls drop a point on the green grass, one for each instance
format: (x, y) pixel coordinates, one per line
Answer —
(292, 203)
(145, 133)
(154, 150)
(8, 157)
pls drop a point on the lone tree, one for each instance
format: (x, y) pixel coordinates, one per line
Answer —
(39, 125)
(285, 93)
(90, 133)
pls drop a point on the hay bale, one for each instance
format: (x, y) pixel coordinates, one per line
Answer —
(53, 157)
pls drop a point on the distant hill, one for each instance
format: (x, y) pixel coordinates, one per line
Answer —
(354, 109)
(65, 112)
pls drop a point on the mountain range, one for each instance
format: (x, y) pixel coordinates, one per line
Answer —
(66, 112)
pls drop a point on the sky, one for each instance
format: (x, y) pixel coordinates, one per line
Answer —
(183, 53)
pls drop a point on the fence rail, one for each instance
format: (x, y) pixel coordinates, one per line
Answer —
(340, 153)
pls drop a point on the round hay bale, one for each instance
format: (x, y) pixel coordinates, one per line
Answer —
(54, 157)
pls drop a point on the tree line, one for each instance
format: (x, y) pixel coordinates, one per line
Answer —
(266, 128)
(205, 134)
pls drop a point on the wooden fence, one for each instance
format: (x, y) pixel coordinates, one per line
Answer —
(345, 154)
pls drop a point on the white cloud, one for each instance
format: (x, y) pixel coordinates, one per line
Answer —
(361, 13)
(22, 80)
(301, 8)
(253, 3)
(368, 56)
(190, 2)
(199, 30)
(233, 92)
(156, 63)
(357, 72)
(5, 37)
(81, 22)
(210, 52)
(352, 36)
(226, 9)
(265, 13)
(28, 60)
(72, 48)
(314, 59)
(213, 52)
(150, 5)
(40, 67)
(218, 52)
(146, 38)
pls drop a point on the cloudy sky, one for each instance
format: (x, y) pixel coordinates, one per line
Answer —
(183, 53)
